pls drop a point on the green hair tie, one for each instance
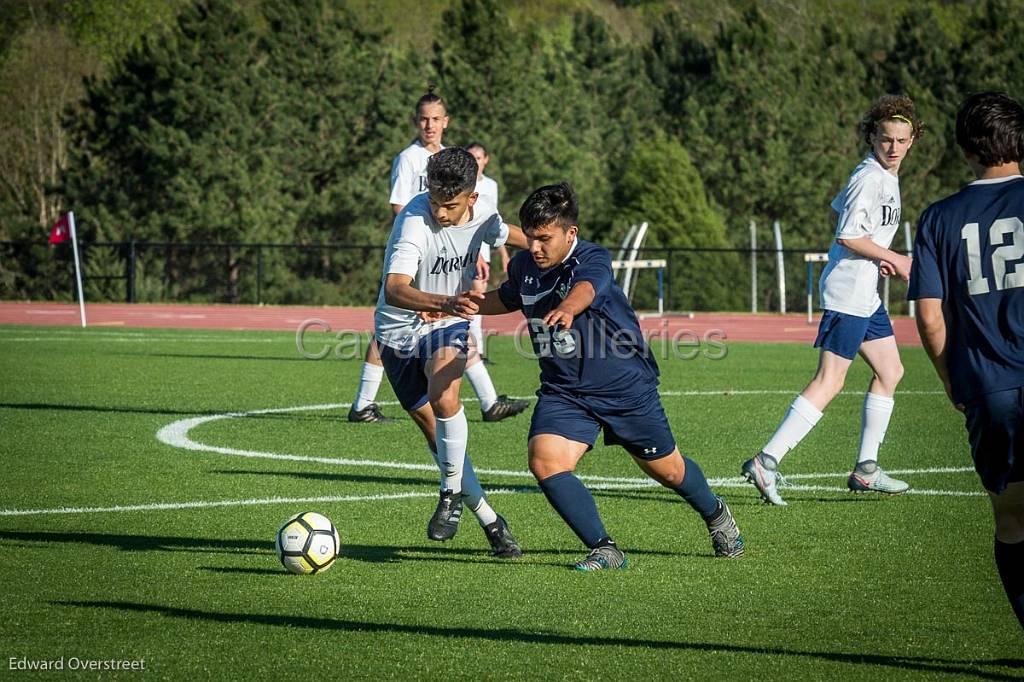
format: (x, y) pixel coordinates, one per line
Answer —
(901, 117)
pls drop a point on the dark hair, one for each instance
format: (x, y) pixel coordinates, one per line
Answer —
(430, 98)
(889, 108)
(550, 205)
(477, 144)
(450, 172)
(990, 126)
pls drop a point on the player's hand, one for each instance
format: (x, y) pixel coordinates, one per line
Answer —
(431, 316)
(886, 269)
(483, 268)
(559, 317)
(902, 266)
(466, 304)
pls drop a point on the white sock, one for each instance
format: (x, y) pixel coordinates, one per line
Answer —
(484, 514)
(476, 330)
(369, 382)
(480, 380)
(798, 422)
(452, 434)
(874, 421)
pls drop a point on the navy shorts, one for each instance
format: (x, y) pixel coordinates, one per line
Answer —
(995, 429)
(407, 369)
(842, 334)
(637, 423)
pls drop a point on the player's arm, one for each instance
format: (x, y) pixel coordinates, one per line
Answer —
(402, 180)
(927, 287)
(470, 303)
(863, 246)
(399, 292)
(579, 299)
(516, 237)
(504, 299)
(931, 326)
(593, 275)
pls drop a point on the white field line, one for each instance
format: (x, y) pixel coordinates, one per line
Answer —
(199, 339)
(267, 501)
(176, 434)
(200, 504)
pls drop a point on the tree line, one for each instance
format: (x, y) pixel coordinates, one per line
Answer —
(275, 121)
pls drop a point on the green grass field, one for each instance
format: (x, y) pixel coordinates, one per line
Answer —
(118, 545)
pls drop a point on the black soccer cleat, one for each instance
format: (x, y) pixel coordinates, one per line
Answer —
(445, 521)
(726, 538)
(503, 408)
(503, 545)
(370, 413)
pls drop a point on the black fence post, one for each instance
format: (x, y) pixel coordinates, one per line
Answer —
(668, 279)
(130, 273)
(259, 274)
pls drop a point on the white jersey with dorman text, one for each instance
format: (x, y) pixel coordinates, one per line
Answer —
(869, 206)
(409, 173)
(440, 260)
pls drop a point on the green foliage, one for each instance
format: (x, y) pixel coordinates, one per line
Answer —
(755, 125)
(261, 121)
(110, 28)
(660, 185)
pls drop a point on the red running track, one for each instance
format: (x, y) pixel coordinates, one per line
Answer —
(735, 326)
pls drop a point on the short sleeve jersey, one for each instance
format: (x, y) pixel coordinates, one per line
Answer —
(409, 173)
(488, 190)
(440, 260)
(605, 353)
(969, 252)
(869, 206)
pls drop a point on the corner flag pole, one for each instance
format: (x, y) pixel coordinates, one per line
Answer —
(78, 267)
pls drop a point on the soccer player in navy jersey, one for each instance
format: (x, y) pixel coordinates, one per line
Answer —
(597, 373)
(968, 281)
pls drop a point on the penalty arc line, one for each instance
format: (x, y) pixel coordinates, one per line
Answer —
(176, 435)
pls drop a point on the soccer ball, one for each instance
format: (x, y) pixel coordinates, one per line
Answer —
(308, 543)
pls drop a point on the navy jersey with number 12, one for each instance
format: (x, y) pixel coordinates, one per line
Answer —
(605, 353)
(969, 252)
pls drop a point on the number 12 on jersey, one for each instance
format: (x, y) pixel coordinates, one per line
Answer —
(1011, 251)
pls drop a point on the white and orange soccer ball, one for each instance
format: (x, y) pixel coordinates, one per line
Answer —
(308, 543)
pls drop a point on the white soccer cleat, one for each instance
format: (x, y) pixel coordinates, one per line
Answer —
(877, 481)
(765, 478)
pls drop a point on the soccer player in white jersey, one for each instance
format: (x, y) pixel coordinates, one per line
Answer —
(409, 179)
(431, 257)
(855, 321)
(487, 188)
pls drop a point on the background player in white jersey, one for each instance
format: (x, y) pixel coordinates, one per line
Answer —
(968, 281)
(409, 179)
(855, 321)
(487, 188)
(431, 257)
